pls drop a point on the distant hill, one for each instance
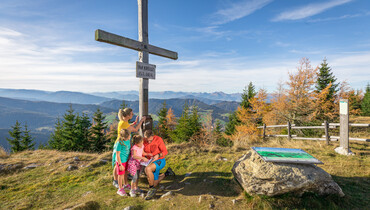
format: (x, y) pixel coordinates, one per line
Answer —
(100, 97)
(59, 96)
(208, 98)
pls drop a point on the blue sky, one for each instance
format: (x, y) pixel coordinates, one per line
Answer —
(222, 44)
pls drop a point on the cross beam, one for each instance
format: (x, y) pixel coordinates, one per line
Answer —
(103, 36)
(142, 46)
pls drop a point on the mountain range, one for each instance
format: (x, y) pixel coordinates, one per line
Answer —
(99, 97)
(41, 109)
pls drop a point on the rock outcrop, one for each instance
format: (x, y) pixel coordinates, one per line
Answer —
(258, 177)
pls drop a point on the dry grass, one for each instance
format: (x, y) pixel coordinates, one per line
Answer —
(359, 119)
(3, 153)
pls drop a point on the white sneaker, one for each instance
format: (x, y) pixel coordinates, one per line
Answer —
(133, 193)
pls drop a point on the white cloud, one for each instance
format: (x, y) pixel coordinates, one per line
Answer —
(338, 18)
(309, 10)
(238, 10)
(282, 44)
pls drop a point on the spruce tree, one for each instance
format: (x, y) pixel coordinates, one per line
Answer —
(181, 131)
(365, 105)
(69, 131)
(248, 93)
(162, 122)
(98, 138)
(83, 133)
(15, 138)
(194, 122)
(324, 78)
(233, 121)
(56, 138)
(27, 140)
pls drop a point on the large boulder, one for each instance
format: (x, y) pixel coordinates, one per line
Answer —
(258, 177)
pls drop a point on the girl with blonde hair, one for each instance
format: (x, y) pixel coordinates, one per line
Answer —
(124, 115)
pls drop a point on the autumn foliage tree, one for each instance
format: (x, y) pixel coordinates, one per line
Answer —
(324, 106)
(365, 105)
(171, 120)
(354, 98)
(300, 92)
(247, 130)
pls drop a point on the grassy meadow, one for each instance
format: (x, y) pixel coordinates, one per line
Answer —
(203, 179)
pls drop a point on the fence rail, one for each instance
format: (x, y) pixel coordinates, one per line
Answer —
(324, 125)
(350, 124)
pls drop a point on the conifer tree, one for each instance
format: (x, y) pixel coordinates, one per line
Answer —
(325, 77)
(171, 120)
(69, 131)
(15, 138)
(181, 132)
(300, 92)
(162, 122)
(248, 93)
(56, 138)
(83, 133)
(365, 105)
(194, 122)
(98, 138)
(217, 131)
(233, 121)
(27, 140)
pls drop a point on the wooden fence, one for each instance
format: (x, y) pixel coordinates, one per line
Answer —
(324, 125)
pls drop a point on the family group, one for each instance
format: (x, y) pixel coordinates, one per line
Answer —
(134, 154)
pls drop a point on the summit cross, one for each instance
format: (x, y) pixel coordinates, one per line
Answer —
(144, 48)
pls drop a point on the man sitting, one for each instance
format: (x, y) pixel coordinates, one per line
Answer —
(155, 145)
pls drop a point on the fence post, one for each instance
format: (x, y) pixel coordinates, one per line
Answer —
(289, 135)
(264, 131)
(326, 124)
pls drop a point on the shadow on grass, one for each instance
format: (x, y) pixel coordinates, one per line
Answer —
(200, 183)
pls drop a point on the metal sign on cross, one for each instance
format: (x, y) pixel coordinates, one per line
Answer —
(144, 49)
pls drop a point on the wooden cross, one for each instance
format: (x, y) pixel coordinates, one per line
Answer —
(142, 46)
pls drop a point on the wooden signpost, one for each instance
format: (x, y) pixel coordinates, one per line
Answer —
(144, 71)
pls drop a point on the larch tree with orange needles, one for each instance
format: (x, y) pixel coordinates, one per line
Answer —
(354, 98)
(300, 93)
(324, 106)
(247, 130)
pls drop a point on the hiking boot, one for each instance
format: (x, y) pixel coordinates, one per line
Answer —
(169, 172)
(127, 187)
(115, 184)
(121, 192)
(133, 193)
(150, 193)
